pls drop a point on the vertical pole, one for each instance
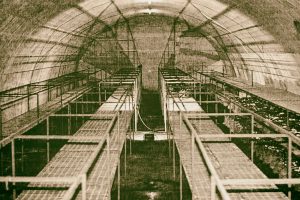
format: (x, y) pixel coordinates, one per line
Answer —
(135, 107)
(193, 146)
(13, 165)
(213, 188)
(169, 137)
(48, 144)
(216, 107)
(48, 92)
(252, 142)
(174, 167)
(174, 44)
(28, 97)
(38, 107)
(200, 91)
(108, 155)
(61, 95)
(252, 79)
(287, 118)
(194, 88)
(165, 105)
(119, 181)
(69, 119)
(22, 155)
(125, 157)
(118, 129)
(180, 123)
(2, 163)
(76, 112)
(1, 121)
(180, 174)
(99, 88)
(82, 105)
(290, 144)
(84, 186)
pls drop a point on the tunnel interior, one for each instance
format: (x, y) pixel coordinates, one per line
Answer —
(137, 66)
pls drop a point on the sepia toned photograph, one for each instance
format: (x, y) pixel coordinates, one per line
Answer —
(149, 99)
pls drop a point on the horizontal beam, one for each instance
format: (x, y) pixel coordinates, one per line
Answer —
(216, 114)
(58, 137)
(118, 82)
(243, 135)
(9, 138)
(36, 179)
(85, 102)
(99, 116)
(294, 181)
(207, 102)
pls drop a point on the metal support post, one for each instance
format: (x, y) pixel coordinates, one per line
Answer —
(194, 89)
(180, 175)
(61, 95)
(174, 166)
(135, 117)
(125, 157)
(192, 166)
(76, 118)
(290, 145)
(118, 126)
(287, 119)
(180, 123)
(165, 107)
(130, 145)
(48, 93)
(200, 91)
(22, 155)
(1, 163)
(216, 108)
(169, 140)
(13, 166)
(1, 126)
(252, 78)
(28, 98)
(252, 142)
(38, 107)
(119, 181)
(48, 142)
(108, 155)
(69, 119)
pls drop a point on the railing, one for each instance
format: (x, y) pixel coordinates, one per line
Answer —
(216, 182)
(131, 92)
(257, 116)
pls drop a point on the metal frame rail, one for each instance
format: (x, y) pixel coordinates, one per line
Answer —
(81, 179)
(259, 118)
(32, 92)
(216, 182)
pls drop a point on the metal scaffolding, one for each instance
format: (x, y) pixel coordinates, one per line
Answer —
(196, 137)
(97, 141)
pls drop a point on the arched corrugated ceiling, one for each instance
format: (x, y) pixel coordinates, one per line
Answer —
(57, 47)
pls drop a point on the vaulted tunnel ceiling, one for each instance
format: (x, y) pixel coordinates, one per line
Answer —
(56, 38)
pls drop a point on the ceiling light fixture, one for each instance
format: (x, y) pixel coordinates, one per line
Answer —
(149, 7)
